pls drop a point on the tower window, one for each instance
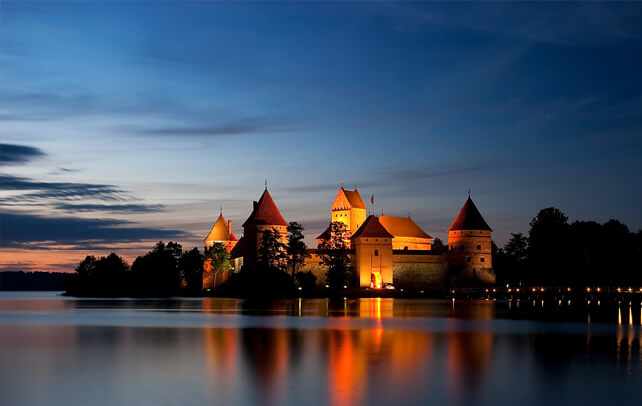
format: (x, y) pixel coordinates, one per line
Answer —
(468, 259)
(478, 247)
(452, 247)
(482, 259)
(376, 254)
(405, 248)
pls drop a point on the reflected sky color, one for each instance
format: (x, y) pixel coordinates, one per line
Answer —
(370, 352)
(128, 122)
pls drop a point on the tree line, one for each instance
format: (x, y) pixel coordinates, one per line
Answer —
(558, 253)
(277, 271)
(168, 270)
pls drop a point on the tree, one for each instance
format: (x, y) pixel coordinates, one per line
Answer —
(217, 259)
(306, 280)
(548, 248)
(156, 273)
(175, 249)
(296, 247)
(516, 255)
(438, 246)
(334, 253)
(190, 267)
(272, 252)
(106, 276)
(86, 268)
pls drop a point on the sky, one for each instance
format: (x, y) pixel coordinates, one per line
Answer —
(124, 123)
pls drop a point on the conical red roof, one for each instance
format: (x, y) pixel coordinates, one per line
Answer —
(219, 231)
(372, 228)
(469, 218)
(265, 213)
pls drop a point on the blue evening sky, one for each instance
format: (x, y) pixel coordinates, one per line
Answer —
(135, 121)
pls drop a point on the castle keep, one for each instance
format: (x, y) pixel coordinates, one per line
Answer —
(384, 250)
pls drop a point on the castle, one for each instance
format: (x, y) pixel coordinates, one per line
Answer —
(384, 250)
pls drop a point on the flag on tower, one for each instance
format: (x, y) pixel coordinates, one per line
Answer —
(372, 199)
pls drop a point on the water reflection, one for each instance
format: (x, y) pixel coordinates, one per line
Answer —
(314, 352)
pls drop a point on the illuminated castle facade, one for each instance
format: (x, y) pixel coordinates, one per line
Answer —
(384, 250)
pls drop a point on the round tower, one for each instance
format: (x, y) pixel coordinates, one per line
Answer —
(265, 216)
(469, 247)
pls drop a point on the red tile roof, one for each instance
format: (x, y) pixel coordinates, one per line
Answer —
(354, 198)
(469, 218)
(402, 227)
(371, 228)
(265, 213)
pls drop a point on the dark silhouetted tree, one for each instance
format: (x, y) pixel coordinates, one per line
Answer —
(296, 247)
(272, 252)
(548, 248)
(306, 280)
(156, 273)
(438, 246)
(335, 255)
(516, 251)
(107, 276)
(190, 267)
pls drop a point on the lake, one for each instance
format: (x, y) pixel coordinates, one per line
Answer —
(64, 351)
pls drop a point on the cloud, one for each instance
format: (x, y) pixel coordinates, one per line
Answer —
(316, 188)
(18, 154)
(245, 125)
(394, 178)
(39, 232)
(111, 208)
(58, 190)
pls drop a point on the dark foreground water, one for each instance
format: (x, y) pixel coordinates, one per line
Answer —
(63, 351)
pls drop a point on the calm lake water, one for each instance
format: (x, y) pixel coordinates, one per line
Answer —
(65, 351)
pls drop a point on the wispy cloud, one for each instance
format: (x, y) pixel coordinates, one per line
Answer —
(110, 208)
(70, 197)
(18, 154)
(58, 190)
(39, 232)
(245, 125)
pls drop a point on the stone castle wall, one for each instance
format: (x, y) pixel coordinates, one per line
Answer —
(419, 271)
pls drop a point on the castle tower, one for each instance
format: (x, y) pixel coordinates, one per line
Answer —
(265, 216)
(373, 254)
(349, 208)
(469, 247)
(221, 232)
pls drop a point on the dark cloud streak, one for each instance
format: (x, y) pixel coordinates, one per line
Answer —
(58, 190)
(111, 208)
(18, 154)
(247, 125)
(38, 232)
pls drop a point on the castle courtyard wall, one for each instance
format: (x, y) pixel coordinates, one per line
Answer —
(419, 271)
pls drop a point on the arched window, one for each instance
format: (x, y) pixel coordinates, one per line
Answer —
(376, 254)
(405, 248)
